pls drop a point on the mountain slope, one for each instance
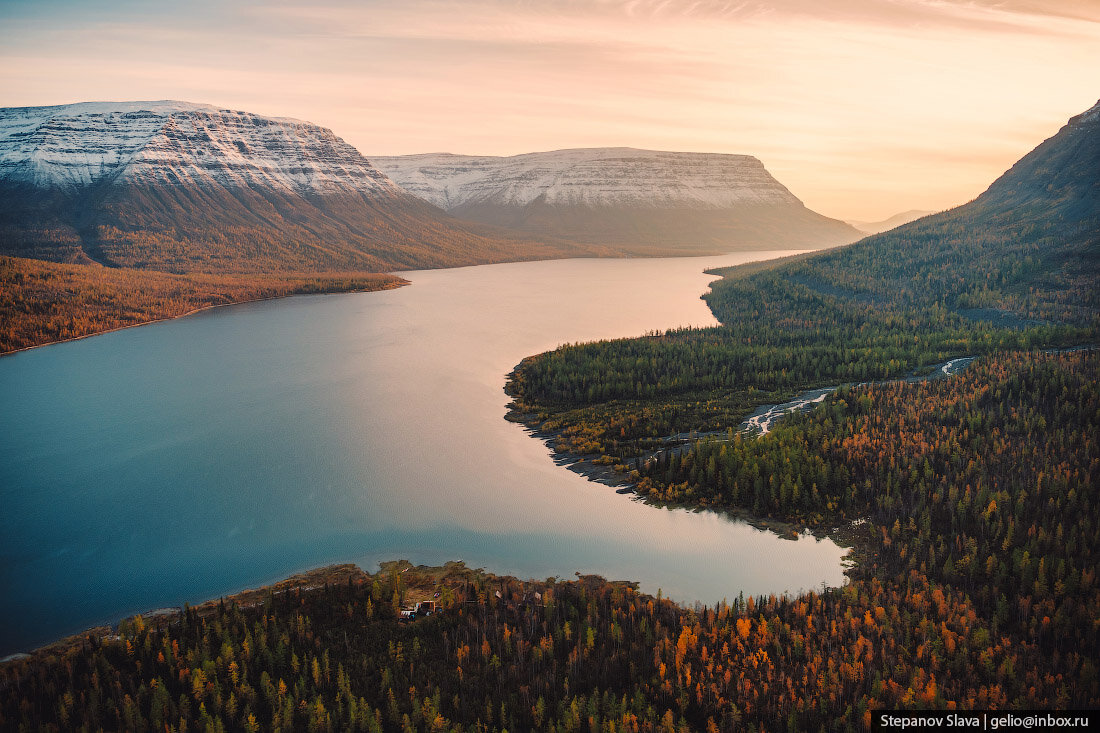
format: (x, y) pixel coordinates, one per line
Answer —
(1059, 180)
(187, 187)
(637, 199)
(1027, 248)
(1017, 268)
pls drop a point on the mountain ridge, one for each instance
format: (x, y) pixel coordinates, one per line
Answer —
(631, 197)
(590, 176)
(88, 142)
(187, 187)
(1051, 174)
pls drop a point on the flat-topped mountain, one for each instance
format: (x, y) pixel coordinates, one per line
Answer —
(635, 199)
(180, 143)
(590, 177)
(184, 187)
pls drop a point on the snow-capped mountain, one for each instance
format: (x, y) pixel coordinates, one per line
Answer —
(633, 198)
(183, 186)
(589, 177)
(179, 143)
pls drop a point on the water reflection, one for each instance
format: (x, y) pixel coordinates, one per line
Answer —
(188, 459)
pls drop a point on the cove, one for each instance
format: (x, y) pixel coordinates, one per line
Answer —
(188, 459)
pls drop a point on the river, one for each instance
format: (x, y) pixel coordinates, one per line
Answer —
(191, 458)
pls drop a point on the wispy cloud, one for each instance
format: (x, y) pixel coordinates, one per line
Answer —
(548, 18)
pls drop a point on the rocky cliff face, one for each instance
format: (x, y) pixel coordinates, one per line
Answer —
(637, 199)
(181, 186)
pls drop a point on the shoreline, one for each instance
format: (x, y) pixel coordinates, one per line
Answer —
(426, 578)
(756, 423)
(606, 475)
(851, 535)
(246, 597)
(400, 282)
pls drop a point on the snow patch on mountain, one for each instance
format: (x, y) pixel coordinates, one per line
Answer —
(591, 177)
(170, 142)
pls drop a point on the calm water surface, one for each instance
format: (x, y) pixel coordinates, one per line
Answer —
(188, 459)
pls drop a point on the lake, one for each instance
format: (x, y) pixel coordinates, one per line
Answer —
(189, 459)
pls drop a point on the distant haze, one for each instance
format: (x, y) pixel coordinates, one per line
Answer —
(863, 108)
(874, 227)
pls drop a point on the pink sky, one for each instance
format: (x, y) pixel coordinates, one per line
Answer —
(863, 108)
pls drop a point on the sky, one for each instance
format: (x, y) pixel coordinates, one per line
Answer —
(862, 108)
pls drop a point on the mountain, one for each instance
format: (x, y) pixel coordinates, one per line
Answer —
(639, 200)
(1016, 268)
(1027, 250)
(1058, 180)
(191, 187)
(874, 227)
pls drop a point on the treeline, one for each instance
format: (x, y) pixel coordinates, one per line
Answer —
(1042, 268)
(42, 302)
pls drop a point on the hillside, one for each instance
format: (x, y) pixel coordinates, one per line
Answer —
(1027, 250)
(184, 187)
(1015, 268)
(642, 201)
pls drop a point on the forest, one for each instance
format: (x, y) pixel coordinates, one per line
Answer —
(975, 587)
(43, 302)
(968, 501)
